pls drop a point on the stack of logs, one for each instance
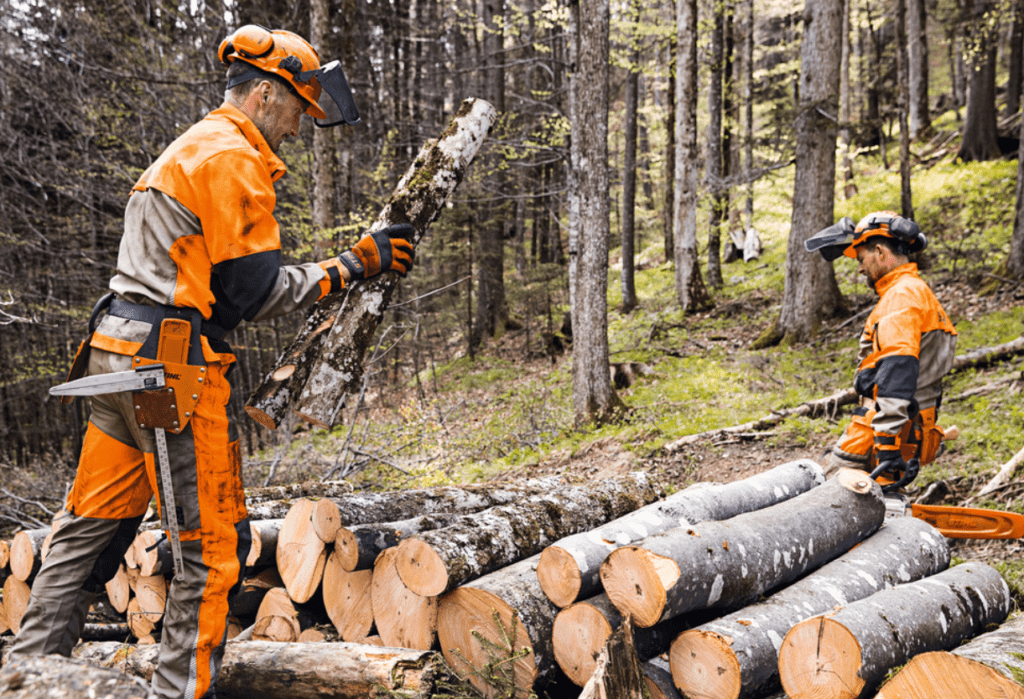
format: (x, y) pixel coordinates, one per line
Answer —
(731, 590)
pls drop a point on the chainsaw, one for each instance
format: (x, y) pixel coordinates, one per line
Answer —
(953, 522)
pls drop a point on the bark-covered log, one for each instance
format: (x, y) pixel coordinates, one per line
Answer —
(105, 632)
(659, 679)
(325, 359)
(403, 618)
(989, 667)
(16, 594)
(26, 550)
(984, 356)
(301, 553)
(471, 608)
(737, 655)
(434, 562)
(570, 568)
(295, 670)
(54, 677)
(726, 564)
(581, 630)
(348, 599)
(358, 546)
(366, 508)
(847, 653)
(303, 489)
(263, 550)
(617, 674)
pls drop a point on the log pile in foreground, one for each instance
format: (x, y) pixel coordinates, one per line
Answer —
(715, 599)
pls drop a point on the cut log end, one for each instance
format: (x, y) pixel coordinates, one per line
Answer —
(283, 373)
(421, 569)
(635, 581)
(559, 576)
(23, 556)
(467, 610)
(16, 594)
(346, 549)
(578, 635)
(255, 547)
(703, 664)
(326, 520)
(348, 600)
(819, 657)
(261, 417)
(404, 619)
(855, 480)
(942, 674)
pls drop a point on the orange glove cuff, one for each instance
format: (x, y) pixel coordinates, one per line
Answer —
(333, 280)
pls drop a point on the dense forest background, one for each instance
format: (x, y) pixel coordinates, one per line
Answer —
(91, 93)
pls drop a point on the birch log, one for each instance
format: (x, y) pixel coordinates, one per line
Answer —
(358, 546)
(569, 569)
(471, 609)
(26, 550)
(618, 674)
(348, 599)
(989, 667)
(659, 679)
(403, 618)
(295, 670)
(722, 564)
(737, 655)
(301, 553)
(263, 549)
(54, 677)
(303, 489)
(16, 594)
(848, 653)
(582, 629)
(434, 562)
(325, 359)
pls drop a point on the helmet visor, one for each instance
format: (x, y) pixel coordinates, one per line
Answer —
(335, 96)
(832, 241)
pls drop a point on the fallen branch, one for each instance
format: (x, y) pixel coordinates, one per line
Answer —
(1003, 478)
(829, 405)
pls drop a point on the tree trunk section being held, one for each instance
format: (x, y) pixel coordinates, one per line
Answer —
(737, 655)
(846, 654)
(569, 569)
(325, 360)
(294, 670)
(989, 667)
(720, 564)
(434, 562)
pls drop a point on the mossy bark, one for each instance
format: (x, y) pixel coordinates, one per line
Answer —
(325, 360)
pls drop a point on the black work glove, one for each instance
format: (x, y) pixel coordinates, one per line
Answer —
(387, 249)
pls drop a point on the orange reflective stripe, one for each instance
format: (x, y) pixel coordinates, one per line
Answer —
(115, 345)
(111, 482)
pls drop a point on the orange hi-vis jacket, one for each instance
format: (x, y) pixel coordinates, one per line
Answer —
(200, 233)
(907, 346)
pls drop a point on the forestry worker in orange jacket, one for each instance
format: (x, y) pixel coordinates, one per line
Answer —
(907, 347)
(200, 244)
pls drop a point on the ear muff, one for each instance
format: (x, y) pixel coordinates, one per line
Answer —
(250, 41)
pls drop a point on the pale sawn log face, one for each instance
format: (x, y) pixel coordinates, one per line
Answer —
(403, 618)
(301, 554)
(738, 653)
(497, 537)
(944, 674)
(852, 649)
(723, 564)
(570, 568)
(348, 599)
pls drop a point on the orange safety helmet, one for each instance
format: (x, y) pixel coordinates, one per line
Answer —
(842, 238)
(887, 224)
(280, 52)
